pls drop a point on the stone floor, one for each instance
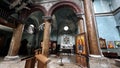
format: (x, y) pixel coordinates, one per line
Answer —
(102, 62)
(68, 61)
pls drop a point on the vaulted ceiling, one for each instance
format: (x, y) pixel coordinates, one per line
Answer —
(63, 16)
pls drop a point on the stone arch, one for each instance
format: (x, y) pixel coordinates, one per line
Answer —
(26, 13)
(74, 6)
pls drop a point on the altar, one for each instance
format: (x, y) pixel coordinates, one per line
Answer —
(66, 48)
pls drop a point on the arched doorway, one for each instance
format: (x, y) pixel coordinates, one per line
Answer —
(65, 27)
(33, 33)
(63, 15)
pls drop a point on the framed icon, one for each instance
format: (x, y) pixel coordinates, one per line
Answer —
(102, 43)
(81, 43)
(111, 44)
(117, 43)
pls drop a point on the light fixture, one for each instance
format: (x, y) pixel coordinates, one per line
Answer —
(66, 28)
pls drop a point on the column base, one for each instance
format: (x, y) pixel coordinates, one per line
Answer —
(11, 57)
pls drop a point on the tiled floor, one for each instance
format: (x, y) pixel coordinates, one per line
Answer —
(68, 61)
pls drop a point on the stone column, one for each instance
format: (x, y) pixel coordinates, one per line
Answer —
(81, 59)
(15, 41)
(91, 28)
(46, 37)
(81, 27)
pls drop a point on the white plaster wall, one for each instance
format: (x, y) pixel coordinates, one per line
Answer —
(107, 28)
(115, 4)
(101, 6)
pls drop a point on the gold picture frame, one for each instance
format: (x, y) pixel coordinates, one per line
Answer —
(81, 50)
(81, 46)
(111, 45)
(117, 43)
(102, 43)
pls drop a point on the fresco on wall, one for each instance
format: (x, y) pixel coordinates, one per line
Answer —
(66, 40)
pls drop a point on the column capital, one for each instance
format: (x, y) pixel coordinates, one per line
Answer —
(79, 15)
(48, 18)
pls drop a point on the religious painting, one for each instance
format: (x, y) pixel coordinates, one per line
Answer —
(102, 43)
(110, 44)
(117, 43)
(81, 50)
(81, 43)
(66, 40)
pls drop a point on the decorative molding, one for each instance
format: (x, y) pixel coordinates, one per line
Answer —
(71, 4)
(26, 13)
(47, 17)
(112, 13)
(116, 11)
(104, 14)
(79, 15)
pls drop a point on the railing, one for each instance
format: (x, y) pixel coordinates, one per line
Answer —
(38, 58)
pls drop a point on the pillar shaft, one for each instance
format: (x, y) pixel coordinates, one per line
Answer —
(91, 29)
(81, 25)
(46, 38)
(16, 39)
